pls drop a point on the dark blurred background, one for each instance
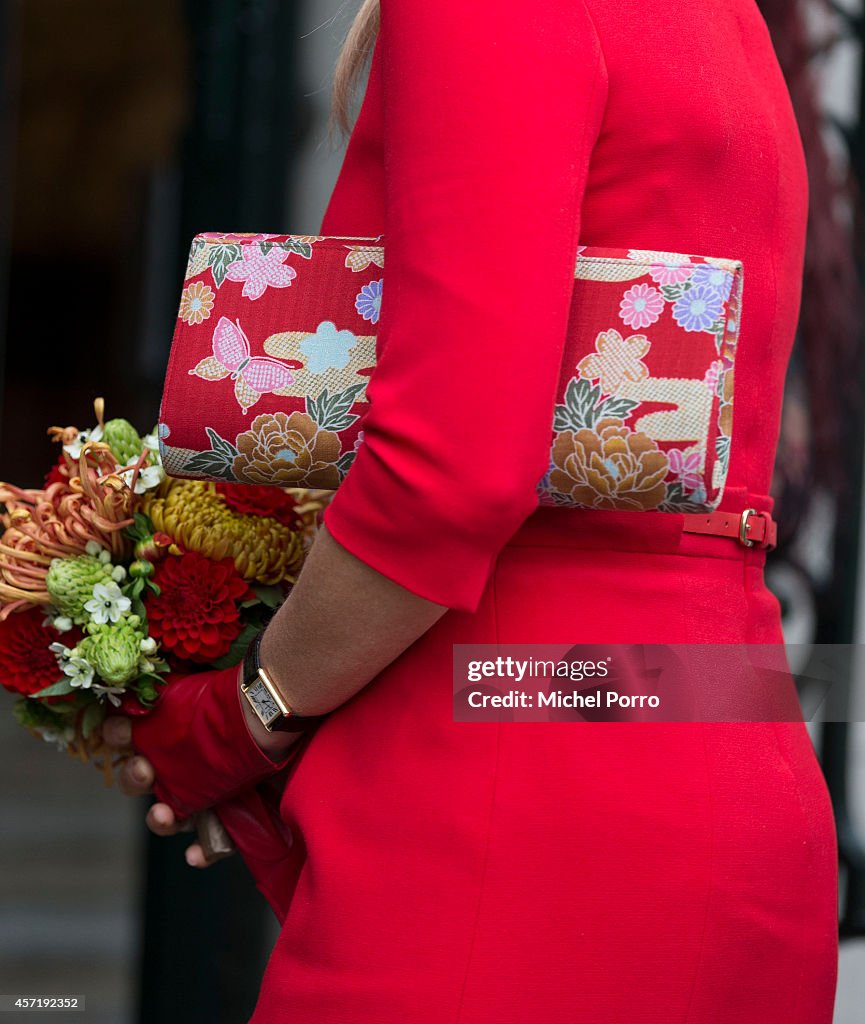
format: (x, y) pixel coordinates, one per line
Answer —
(126, 128)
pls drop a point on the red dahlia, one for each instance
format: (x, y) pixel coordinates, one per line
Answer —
(196, 615)
(259, 500)
(26, 664)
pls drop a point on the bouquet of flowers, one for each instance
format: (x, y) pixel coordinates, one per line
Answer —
(115, 578)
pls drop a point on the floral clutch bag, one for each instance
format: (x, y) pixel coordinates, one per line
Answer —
(276, 340)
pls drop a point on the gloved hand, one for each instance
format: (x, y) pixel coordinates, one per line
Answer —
(199, 744)
(273, 854)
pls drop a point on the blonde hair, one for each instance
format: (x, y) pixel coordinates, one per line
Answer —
(356, 48)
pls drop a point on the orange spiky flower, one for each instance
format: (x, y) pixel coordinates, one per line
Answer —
(88, 501)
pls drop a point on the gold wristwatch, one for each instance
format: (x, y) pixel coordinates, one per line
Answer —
(266, 700)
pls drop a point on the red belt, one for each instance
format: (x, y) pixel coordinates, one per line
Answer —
(751, 527)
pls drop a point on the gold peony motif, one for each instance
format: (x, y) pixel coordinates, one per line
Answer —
(610, 467)
(290, 450)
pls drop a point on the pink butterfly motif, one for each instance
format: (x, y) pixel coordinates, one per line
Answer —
(253, 376)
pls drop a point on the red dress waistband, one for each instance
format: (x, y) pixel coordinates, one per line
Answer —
(650, 531)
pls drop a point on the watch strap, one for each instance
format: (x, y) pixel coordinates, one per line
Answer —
(268, 703)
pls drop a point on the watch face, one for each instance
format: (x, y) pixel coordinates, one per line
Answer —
(265, 706)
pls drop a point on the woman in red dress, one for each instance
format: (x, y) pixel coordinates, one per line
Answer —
(427, 870)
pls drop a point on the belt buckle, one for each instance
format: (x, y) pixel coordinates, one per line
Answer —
(744, 526)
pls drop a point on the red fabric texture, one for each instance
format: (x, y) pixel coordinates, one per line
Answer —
(513, 872)
(561, 872)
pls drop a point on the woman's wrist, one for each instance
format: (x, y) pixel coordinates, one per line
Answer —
(275, 744)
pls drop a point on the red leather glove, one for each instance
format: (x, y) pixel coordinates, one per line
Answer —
(199, 744)
(273, 854)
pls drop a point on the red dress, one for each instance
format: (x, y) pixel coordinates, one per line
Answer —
(462, 873)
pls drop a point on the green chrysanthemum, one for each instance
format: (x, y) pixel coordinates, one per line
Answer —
(123, 439)
(70, 582)
(114, 649)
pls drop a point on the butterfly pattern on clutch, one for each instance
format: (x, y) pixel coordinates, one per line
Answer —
(253, 376)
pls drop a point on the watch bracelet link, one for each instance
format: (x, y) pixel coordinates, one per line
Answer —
(267, 702)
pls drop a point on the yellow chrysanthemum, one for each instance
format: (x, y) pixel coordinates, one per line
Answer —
(194, 514)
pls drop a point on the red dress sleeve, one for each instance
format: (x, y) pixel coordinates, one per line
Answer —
(490, 111)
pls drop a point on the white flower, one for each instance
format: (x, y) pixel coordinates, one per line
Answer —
(53, 618)
(108, 603)
(148, 477)
(79, 670)
(118, 573)
(82, 437)
(151, 441)
(96, 550)
(110, 692)
(148, 645)
(62, 737)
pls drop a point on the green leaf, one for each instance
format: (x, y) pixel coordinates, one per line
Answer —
(344, 462)
(68, 707)
(678, 501)
(265, 247)
(151, 677)
(238, 648)
(146, 687)
(563, 500)
(620, 408)
(92, 717)
(218, 461)
(338, 423)
(58, 689)
(220, 445)
(673, 292)
(141, 528)
(579, 410)
(220, 257)
(146, 692)
(293, 245)
(331, 412)
(33, 713)
(209, 464)
(271, 596)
